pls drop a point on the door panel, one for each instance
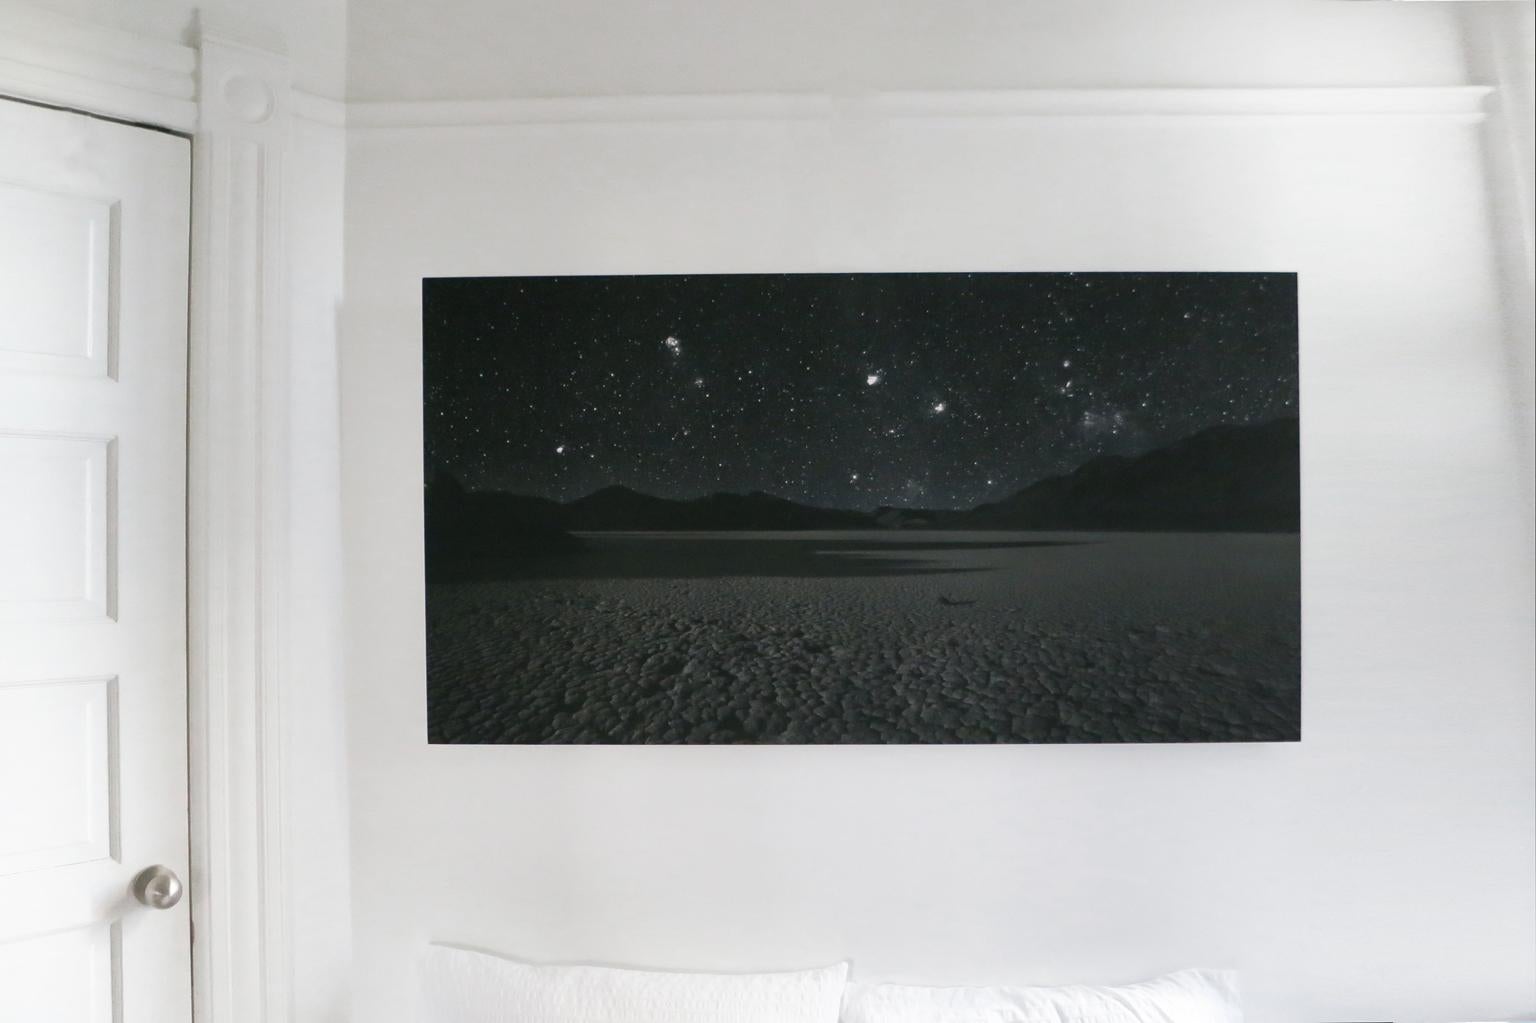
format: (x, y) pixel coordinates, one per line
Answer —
(65, 732)
(55, 282)
(54, 538)
(59, 978)
(93, 768)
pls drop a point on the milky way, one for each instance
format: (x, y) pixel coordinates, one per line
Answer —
(842, 390)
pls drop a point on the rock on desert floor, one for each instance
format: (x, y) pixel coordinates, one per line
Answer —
(879, 637)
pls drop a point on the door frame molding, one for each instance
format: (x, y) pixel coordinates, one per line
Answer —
(238, 489)
(230, 91)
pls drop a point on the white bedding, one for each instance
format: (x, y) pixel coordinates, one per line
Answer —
(460, 986)
(1191, 996)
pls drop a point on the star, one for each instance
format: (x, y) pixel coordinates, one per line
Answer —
(1048, 371)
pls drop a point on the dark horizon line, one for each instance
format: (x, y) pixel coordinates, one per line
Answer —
(866, 509)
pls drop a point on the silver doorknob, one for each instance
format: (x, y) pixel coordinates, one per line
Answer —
(157, 887)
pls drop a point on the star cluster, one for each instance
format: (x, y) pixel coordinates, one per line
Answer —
(841, 390)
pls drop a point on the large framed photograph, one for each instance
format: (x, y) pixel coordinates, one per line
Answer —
(862, 508)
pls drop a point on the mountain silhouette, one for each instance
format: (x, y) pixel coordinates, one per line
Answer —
(622, 508)
(486, 524)
(1223, 479)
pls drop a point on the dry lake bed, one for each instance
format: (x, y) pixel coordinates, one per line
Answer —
(873, 637)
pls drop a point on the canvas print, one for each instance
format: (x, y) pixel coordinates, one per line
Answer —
(862, 508)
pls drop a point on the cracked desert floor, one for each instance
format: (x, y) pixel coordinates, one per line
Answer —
(873, 637)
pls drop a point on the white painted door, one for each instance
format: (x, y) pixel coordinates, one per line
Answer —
(93, 735)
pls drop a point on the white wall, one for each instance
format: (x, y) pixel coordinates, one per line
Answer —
(314, 714)
(1380, 869)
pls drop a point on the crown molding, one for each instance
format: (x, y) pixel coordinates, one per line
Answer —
(52, 58)
(1463, 103)
(317, 109)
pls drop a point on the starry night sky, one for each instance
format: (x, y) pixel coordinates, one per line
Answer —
(840, 390)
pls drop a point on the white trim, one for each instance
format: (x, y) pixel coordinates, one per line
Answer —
(317, 109)
(52, 58)
(237, 508)
(1458, 102)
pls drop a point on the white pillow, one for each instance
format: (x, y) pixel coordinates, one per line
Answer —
(459, 986)
(1192, 996)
